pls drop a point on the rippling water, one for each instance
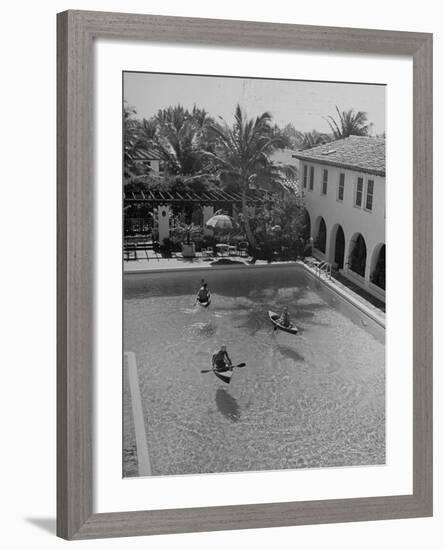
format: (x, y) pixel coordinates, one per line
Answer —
(312, 400)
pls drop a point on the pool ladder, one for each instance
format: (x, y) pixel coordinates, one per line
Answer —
(324, 268)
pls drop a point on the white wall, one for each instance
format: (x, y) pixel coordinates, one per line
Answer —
(28, 275)
(353, 219)
(155, 165)
(163, 221)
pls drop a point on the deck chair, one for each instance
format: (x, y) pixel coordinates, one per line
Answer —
(242, 249)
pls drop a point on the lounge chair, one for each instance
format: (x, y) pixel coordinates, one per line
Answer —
(242, 249)
(207, 252)
(222, 249)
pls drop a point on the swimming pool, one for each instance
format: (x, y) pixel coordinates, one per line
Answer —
(312, 400)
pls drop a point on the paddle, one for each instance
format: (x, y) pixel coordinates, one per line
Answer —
(232, 366)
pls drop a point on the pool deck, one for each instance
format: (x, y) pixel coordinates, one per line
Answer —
(154, 263)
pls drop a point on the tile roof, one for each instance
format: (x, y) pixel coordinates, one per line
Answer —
(360, 153)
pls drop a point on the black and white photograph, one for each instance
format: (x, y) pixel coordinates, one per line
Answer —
(206, 344)
(253, 274)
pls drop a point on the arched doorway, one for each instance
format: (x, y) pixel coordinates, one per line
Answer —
(321, 236)
(377, 276)
(358, 255)
(339, 248)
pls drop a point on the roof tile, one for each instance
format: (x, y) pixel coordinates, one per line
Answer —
(361, 153)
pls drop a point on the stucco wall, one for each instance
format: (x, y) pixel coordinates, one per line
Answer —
(155, 165)
(353, 220)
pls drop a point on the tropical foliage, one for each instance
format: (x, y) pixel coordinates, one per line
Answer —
(175, 135)
(349, 123)
(278, 228)
(313, 138)
(198, 153)
(242, 154)
(378, 275)
(358, 256)
(131, 143)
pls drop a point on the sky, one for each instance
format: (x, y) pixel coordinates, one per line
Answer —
(303, 103)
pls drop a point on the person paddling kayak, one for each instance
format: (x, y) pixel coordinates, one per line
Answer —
(221, 360)
(203, 296)
(284, 319)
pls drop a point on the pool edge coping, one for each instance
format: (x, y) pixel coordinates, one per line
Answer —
(349, 296)
(143, 458)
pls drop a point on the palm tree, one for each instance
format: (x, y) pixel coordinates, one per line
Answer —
(179, 138)
(131, 130)
(242, 154)
(176, 134)
(313, 138)
(139, 136)
(350, 123)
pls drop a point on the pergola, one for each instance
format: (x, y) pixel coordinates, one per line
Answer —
(162, 203)
(208, 197)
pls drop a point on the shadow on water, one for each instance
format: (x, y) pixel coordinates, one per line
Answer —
(260, 284)
(255, 317)
(255, 293)
(290, 353)
(252, 320)
(227, 405)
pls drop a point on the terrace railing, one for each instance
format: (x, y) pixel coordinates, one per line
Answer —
(324, 269)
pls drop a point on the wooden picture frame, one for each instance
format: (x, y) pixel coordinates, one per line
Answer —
(77, 31)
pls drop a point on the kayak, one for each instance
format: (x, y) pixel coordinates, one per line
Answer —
(225, 376)
(204, 304)
(274, 318)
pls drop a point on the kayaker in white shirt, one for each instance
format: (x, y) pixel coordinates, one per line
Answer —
(284, 319)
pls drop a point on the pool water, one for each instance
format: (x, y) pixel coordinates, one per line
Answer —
(312, 400)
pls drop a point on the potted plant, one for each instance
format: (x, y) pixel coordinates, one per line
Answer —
(184, 233)
(188, 246)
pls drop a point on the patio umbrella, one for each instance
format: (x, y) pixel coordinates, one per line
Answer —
(220, 221)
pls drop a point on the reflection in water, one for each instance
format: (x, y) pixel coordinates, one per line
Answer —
(227, 405)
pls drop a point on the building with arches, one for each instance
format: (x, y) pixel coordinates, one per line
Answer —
(344, 187)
